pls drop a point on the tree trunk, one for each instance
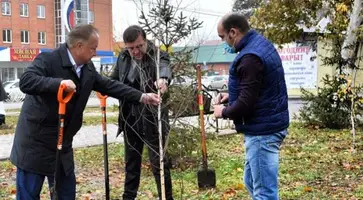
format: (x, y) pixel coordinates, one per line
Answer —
(354, 22)
(348, 52)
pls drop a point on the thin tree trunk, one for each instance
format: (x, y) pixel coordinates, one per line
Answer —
(348, 53)
(355, 20)
(352, 112)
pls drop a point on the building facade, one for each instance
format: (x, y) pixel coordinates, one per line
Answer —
(212, 55)
(29, 27)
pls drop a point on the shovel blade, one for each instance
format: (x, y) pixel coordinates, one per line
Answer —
(206, 178)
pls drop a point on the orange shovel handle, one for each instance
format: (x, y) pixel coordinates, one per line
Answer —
(62, 101)
(102, 99)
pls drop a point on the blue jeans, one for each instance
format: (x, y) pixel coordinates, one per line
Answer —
(29, 185)
(262, 165)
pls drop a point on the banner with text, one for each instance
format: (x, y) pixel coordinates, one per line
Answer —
(300, 65)
(27, 55)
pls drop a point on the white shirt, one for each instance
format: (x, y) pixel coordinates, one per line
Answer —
(76, 67)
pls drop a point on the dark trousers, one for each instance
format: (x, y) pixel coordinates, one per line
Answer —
(2, 119)
(134, 143)
(29, 185)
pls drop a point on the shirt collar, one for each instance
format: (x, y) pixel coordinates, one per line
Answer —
(72, 59)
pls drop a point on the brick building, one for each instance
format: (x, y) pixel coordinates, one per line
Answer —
(29, 27)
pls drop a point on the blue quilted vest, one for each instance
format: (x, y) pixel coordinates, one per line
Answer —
(271, 110)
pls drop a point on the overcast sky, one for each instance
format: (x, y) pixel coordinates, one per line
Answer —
(208, 11)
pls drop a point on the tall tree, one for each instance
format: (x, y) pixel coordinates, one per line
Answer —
(279, 20)
(169, 25)
(245, 7)
(166, 19)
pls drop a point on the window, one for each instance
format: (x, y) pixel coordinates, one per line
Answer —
(78, 5)
(58, 13)
(91, 16)
(6, 8)
(20, 71)
(7, 37)
(8, 74)
(41, 38)
(24, 10)
(59, 40)
(24, 36)
(41, 11)
(78, 14)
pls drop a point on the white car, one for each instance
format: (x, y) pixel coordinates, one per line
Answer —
(217, 82)
(182, 81)
(13, 92)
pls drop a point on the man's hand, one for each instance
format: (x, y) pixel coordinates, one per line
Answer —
(150, 98)
(161, 84)
(218, 110)
(70, 85)
(221, 98)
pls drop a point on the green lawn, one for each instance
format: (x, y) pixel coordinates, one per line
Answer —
(315, 164)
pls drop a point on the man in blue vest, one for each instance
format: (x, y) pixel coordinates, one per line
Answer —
(257, 103)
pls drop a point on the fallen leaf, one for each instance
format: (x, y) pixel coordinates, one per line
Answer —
(87, 196)
(79, 180)
(13, 191)
(229, 193)
(308, 189)
(149, 194)
(347, 166)
(240, 186)
(194, 191)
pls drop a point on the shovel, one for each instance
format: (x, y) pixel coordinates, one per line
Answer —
(105, 151)
(62, 111)
(206, 177)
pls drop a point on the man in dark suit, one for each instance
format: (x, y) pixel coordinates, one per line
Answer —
(34, 149)
(2, 108)
(136, 67)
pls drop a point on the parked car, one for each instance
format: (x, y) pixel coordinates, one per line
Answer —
(217, 82)
(182, 81)
(206, 80)
(13, 92)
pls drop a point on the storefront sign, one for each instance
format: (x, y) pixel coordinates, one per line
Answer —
(300, 66)
(23, 54)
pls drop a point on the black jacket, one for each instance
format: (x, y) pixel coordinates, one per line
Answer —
(149, 69)
(34, 147)
(2, 92)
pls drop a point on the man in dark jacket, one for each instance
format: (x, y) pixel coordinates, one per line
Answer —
(3, 97)
(136, 66)
(34, 149)
(257, 103)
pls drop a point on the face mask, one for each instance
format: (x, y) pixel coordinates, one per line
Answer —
(229, 49)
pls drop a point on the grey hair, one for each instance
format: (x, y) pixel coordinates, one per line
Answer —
(80, 33)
